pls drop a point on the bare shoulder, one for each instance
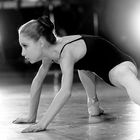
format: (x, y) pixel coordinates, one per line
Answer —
(76, 49)
(71, 37)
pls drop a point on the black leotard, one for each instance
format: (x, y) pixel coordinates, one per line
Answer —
(101, 56)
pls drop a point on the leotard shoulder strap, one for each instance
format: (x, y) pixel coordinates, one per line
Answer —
(69, 43)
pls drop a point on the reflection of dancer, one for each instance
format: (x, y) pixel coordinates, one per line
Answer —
(86, 53)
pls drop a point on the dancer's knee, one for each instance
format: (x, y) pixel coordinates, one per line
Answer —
(121, 71)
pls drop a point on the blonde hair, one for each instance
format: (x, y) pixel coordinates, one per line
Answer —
(39, 27)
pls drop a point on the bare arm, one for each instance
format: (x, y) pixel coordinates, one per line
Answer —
(63, 95)
(59, 100)
(36, 87)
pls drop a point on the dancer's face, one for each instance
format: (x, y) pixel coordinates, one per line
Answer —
(31, 49)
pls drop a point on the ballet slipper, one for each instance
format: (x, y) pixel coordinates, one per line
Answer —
(93, 108)
(95, 111)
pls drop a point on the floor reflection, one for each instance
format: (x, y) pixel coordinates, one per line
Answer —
(121, 120)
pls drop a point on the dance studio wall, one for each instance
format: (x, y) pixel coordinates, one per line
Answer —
(120, 21)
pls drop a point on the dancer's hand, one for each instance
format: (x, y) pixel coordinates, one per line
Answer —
(24, 120)
(34, 128)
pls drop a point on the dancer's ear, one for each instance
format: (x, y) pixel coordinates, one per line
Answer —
(42, 42)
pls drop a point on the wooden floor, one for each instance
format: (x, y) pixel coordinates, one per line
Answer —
(121, 120)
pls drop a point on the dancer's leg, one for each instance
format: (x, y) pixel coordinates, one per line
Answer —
(125, 75)
(88, 80)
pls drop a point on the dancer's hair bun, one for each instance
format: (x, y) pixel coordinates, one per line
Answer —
(46, 23)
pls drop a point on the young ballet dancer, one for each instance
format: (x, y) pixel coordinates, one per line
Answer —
(90, 55)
